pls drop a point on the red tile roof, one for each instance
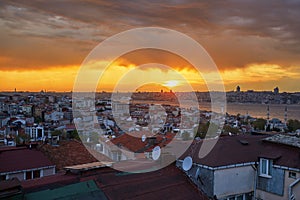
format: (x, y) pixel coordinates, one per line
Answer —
(69, 153)
(15, 159)
(133, 141)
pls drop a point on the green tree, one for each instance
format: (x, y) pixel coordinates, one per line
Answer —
(228, 128)
(56, 133)
(74, 135)
(212, 130)
(293, 125)
(22, 138)
(207, 129)
(259, 124)
(201, 130)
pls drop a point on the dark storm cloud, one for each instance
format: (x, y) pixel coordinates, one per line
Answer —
(236, 33)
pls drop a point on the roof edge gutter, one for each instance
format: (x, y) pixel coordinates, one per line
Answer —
(291, 188)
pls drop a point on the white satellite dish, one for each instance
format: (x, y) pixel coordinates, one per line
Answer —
(144, 138)
(187, 163)
(156, 153)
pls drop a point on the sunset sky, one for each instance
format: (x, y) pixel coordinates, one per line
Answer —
(255, 44)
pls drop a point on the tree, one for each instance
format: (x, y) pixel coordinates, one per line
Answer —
(201, 130)
(212, 130)
(209, 130)
(22, 138)
(293, 125)
(259, 124)
(56, 133)
(74, 135)
(228, 128)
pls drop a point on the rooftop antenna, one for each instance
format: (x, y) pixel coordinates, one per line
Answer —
(156, 153)
(144, 138)
(187, 163)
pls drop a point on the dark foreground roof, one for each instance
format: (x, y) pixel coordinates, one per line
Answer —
(166, 183)
(21, 158)
(239, 149)
(82, 190)
(9, 188)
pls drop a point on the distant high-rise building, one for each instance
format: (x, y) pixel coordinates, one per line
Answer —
(276, 90)
(238, 89)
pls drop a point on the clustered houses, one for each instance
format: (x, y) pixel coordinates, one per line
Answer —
(32, 117)
(35, 116)
(240, 166)
(250, 96)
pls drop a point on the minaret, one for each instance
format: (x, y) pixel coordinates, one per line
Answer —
(268, 114)
(268, 117)
(285, 115)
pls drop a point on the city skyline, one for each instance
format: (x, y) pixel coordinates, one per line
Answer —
(44, 44)
(148, 89)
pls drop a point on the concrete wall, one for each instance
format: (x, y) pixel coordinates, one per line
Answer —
(275, 184)
(48, 172)
(20, 175)
(232, 181)
(262, 194)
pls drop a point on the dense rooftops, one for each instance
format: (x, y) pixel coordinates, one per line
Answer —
(284, 139)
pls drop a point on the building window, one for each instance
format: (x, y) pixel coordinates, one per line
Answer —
(28, 175)
(264, 167)
(36, 174)
(32, 174)
(292, 175)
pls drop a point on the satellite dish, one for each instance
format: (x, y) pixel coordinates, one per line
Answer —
(187, 163)
(197, 173)
(144, 138)
(156, 153)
